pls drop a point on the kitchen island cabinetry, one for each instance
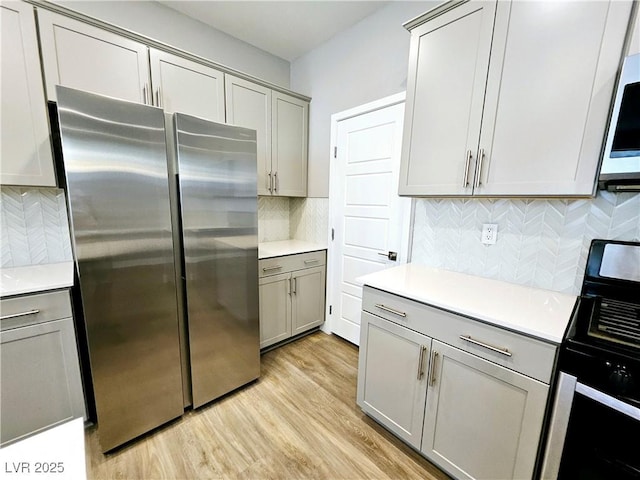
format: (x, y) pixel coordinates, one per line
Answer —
(41, 383)
(292, 295)
(26, 149)
(510, 98)
(469, 390)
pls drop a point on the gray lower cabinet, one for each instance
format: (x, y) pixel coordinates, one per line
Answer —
(448, 398)
(292, 295)
(392, 385)
(482, 420)
(40, 371)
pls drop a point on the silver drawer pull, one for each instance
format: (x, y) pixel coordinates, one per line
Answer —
(503, 351)
(275, 267)
(432, 373)
(391, 310)
(423, 351)
(307, 262)
(23, 314)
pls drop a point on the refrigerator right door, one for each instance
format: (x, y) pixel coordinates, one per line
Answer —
(217, 178)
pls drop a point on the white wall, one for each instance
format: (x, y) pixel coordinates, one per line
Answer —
(161, 23)
(364, 63)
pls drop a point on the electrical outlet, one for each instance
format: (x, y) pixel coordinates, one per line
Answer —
(489, 233)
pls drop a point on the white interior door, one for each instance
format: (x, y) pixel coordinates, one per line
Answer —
(369, 219)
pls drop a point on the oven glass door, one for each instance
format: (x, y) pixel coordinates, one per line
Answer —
(601, 442)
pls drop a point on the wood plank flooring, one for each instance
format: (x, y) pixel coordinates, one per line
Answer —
(299, 420)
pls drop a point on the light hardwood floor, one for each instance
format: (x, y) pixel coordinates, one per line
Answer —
(299, 420)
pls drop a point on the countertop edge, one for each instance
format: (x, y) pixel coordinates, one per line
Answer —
(550, 335)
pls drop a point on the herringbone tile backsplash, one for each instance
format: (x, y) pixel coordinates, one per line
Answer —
(541, 243)
(34, 227)
(273, 219)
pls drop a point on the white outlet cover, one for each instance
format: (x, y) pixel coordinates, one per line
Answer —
(489, 233)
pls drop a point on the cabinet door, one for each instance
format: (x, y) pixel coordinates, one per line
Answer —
(290, 120)
(81, 56)
(551, 80)
(249, 105)
(307, 299)
(391, 376)
(275, 309)
(180, 85)
(41, 384)
(448, 62)
(482, 420)
(26, 148)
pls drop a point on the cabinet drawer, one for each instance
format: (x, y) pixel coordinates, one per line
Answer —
(31, 309)
(529, 356)
(290, 263)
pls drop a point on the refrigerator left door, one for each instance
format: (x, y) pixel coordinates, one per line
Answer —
(114, 154)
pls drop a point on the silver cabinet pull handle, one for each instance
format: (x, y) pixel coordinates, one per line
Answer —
(465, 180)
(275, 267)
(391, 310)
(276, 182)
(503, 351)
(145, 97)
(269, 182)
(295, 286)
(308, 262)
(478, 168)
(22, 314)
(432, 374)
(159, 97)
(423, 350)
(289, 289)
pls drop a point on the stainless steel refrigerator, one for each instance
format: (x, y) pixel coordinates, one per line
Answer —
(145, 361)
(217, 183)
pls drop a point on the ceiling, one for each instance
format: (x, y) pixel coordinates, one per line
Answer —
(286, 29)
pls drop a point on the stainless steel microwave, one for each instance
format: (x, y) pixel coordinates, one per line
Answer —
(620, 169)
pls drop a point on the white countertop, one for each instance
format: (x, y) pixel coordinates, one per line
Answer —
(287, 247)
(540, 313)
(56, 453)
(35, 278)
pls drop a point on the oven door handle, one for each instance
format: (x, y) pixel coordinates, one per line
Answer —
(609, 401)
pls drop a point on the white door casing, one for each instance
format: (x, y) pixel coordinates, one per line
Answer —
(366, 214)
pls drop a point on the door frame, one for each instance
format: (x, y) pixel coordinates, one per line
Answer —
(407, 237)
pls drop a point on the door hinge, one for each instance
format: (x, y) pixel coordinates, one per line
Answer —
(330, 309)
(335, 152)
(333, 234)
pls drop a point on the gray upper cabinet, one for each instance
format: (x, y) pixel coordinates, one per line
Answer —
(26, 148)
(448, 63)
(510, 98)
(281, 122)
(180, 85)
(290, 123)
(249, 105)
(81, 56)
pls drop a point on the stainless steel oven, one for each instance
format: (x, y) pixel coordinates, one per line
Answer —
(594, 429)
